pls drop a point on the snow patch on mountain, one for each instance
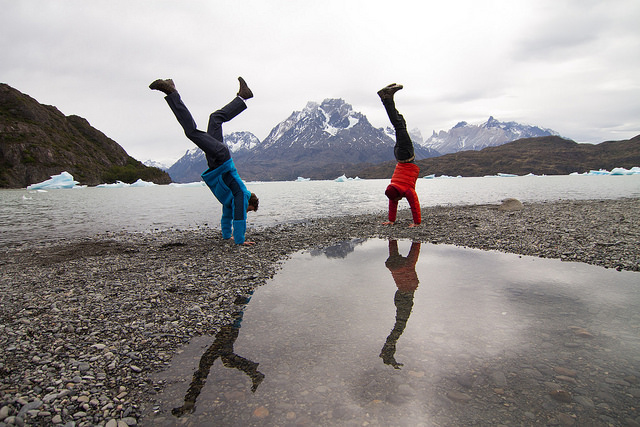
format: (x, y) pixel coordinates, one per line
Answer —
(464, 136)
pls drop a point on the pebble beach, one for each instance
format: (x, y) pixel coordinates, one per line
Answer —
(85, 322)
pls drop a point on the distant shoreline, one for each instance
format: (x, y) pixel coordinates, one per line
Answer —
(105, 312)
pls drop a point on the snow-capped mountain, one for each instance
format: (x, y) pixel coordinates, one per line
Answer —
(320, 141)
(190, 166)
(241, 141)
(156, 164)
(414, 134)
(332, 127)
(465, 136)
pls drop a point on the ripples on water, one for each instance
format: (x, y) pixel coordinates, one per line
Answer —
(31, 215)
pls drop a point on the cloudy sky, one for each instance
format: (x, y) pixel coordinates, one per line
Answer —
(569, 65)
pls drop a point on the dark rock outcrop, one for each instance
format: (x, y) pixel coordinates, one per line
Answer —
(38, 141)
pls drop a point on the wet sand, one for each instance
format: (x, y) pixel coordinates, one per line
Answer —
(85, 322)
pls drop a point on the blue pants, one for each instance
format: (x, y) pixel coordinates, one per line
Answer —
(403, 149)
(211, 141)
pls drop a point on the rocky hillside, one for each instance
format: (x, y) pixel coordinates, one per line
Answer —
(548, 155)
(38, 141)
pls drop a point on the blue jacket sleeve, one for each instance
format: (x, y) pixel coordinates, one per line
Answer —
(225, 222)
(239, 228)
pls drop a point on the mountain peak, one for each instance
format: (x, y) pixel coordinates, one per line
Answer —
(493, 132)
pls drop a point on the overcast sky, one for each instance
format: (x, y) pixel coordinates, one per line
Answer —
(571, 66)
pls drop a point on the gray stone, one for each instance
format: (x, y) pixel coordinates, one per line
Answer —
(510, 205)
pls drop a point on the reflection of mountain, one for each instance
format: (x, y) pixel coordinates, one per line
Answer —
(339, 250)
(222, 348)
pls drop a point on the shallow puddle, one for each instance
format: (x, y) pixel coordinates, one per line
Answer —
(407, 334)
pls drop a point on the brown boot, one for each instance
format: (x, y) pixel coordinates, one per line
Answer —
(388, 91)
(165, 86)
(244, 92)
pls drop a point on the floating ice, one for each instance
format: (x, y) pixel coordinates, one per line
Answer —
(501, 175)
(188, 184)
(117, 184)
(141, 183)
(622, 171)
(120, 184)
(615, 171)
(64, 180)
(343, 178)
(433, 175)
(301, 179)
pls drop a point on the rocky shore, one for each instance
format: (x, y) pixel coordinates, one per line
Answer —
(84, 323)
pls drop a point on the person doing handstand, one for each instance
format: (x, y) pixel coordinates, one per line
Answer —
(222, 176)
(405, 175)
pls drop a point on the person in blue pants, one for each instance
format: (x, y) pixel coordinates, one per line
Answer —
(222, 176)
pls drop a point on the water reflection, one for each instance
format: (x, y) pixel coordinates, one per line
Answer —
(222, 348)
(339, 250)
(403, 270)
(498, 339)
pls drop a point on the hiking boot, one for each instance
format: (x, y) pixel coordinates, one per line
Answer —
(388, 91)
(244, 92)
(165, 86)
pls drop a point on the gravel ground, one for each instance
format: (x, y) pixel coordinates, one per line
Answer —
(84, 323)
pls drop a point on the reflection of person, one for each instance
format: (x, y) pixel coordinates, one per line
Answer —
(222, 347)
(405, 175)
(221, 177)
(404, 274)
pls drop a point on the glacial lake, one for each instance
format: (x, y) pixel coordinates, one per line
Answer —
(55, 214)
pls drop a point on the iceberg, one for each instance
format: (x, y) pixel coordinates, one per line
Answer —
(622, 171)
(188, 184)
(117, 184)
(141, 183)
(506, 175)
(120, 184)
(343, 178)
(433, 175)
(64, 180)
(301, 179)
(599, 172)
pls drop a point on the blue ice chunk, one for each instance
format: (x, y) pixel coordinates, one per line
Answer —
(64, 180)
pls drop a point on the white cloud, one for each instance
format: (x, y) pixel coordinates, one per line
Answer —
(568, 65)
